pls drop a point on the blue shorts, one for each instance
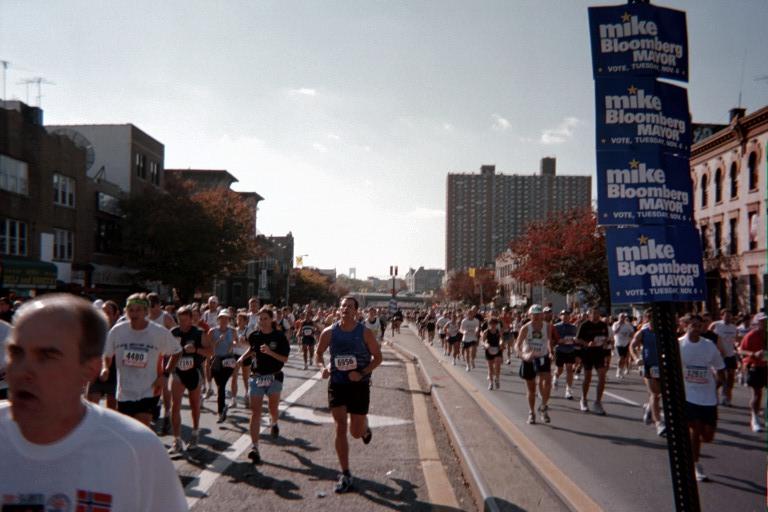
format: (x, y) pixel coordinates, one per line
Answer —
(260, 385)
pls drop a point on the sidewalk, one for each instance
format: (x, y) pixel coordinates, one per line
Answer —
(501, 478)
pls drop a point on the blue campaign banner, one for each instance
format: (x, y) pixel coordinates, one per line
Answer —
(655, 263)
(643, 187)
(636, 113)
(639, 39)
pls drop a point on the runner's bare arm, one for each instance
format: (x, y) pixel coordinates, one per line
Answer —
(322, 346)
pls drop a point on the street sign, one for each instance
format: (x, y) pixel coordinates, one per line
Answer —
(643, 187)
(635, 113)
(639, 39)
(655, 263)
(392, 305)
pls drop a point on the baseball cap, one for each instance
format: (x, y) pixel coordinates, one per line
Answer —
(547, 309)
(535, 309)
(759, 316)
(224, 312)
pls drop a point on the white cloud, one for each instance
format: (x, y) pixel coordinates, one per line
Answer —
(320, 147)
(333, 136)
(305, 91)
(448, 127)
(561, 133)
(500, 123)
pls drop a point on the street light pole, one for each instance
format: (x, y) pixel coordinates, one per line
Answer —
(393, 273)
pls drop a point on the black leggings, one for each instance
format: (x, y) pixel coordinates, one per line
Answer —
(221, 375)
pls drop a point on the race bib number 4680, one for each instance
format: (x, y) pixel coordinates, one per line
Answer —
(136, 358)
(345, 363)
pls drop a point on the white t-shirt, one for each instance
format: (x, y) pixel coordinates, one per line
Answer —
(5, 333)
(161, 319)
(210, 316)
(622, 333)
(136, 357)
(253, 323)
(699, 360)
(469, 328)
(108, 458)
(726, 334)
(374, 326)
(441, 323)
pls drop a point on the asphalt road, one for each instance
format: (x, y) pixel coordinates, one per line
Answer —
(299, 469)
(618, 460)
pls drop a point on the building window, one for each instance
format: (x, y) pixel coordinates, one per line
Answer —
(154, 173)
(753, 230)
(704, 191)
(718, 237)
(13, 175)
(734, 180)
(733, 244)
(63, 244)
(718, 186)
(108, 236)
(704, 239)
(63, 190)
(141, 166)
(752, 169)
(13, 237)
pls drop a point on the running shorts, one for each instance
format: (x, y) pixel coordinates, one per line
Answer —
(622, 351)
(706, 414)
(593, 357)
(145, 406)
(757, 376)
(355, 396)
(190, 378)
(261, 385)
(529, 369)
(731, 363)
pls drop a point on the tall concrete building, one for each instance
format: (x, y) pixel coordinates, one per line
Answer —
(485, 211)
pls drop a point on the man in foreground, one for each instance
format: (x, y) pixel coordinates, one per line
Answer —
(63, 449)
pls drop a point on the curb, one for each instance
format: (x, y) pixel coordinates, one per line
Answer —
(482, 496)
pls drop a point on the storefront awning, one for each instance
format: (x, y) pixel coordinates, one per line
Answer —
(18, 273)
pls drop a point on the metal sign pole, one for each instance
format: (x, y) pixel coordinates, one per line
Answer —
(684, 484)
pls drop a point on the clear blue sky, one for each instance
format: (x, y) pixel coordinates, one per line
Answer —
(347, 115)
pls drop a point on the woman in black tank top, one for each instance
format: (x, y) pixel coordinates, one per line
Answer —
(494, 351)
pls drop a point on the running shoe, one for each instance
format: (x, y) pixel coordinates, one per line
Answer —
(597, 408)
(755, 424)
(490, 384)
(177, 447)
(583, 405)
(647, 418)
(193, 439)
(700, 475)
(343, 485)
(233, 402)
(274, 431)
(543, 412)
(254, 455)
(531, 418)
(661, 429)
(568, 393)
(467, 367)
(367, 436)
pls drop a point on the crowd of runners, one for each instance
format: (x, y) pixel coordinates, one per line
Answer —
(143, 359)
(578, 346)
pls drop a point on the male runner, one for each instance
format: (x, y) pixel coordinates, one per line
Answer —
(646, 337)
(727, 340)
(354, 354)
(593, 336)
(623, 331)
(535, 345)
(699, 358)
(753, 350)
(57, 450)
(566, 352)
(159, 316)
(138, 346)
(470, 330)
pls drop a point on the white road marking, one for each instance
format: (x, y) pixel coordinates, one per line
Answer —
(200, 485)
(622, 399)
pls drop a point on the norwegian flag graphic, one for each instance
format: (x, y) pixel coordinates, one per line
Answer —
(89, 501)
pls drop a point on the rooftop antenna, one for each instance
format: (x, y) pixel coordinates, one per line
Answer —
(5, 72)
(39, 81)
(743, 65)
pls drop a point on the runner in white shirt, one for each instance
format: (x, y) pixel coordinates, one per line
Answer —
(469, 328)
(700, 360)
(138, 346)
(159, 316)
(622, 335)
(253, 316)
(372, 322)
(59, 451)
(453, 336)
(442, 319)
(727, 339)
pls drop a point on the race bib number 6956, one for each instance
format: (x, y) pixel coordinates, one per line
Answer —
(345, 363)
